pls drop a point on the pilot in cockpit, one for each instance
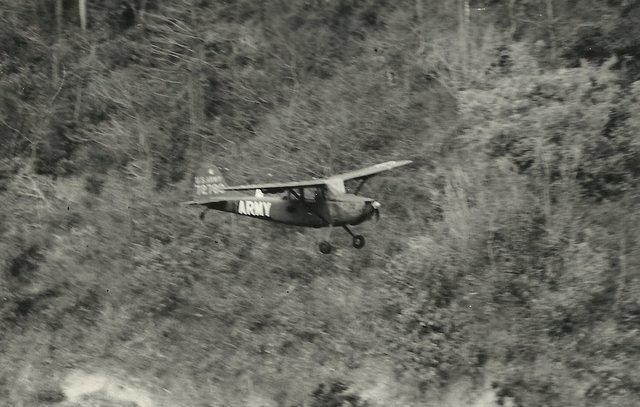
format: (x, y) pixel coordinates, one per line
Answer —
(312, 194)
(307, 194)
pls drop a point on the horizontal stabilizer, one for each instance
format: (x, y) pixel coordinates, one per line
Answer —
(216, 198)
(279, 186)
(371, 171)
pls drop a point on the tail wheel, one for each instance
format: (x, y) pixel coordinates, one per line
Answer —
(358, 241)
(325, 247)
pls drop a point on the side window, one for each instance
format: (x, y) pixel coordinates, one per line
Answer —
(311, 194)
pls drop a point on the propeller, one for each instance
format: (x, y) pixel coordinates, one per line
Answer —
(374, 204)
(376, 209)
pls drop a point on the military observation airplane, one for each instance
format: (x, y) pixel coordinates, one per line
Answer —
(314, 203)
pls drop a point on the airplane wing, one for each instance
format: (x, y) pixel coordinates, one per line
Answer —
(279, 186)
(371, 171)
(323, 182)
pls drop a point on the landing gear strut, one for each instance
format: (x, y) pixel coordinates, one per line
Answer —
(358, 240)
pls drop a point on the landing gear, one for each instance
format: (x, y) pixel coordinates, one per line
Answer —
(325, 247)
(358, 241)
(202, 215)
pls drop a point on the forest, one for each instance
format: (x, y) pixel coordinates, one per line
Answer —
(504, 271)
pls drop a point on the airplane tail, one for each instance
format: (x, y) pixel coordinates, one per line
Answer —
(208, 181)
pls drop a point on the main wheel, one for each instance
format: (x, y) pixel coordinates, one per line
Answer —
(325, 247)
(202, 215)
(358, 241)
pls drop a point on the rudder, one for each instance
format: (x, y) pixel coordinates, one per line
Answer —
(208, 181)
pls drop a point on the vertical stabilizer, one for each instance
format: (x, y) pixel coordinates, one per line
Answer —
(208, 181)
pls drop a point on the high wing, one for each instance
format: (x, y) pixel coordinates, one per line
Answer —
(371, 171)
(323, 182)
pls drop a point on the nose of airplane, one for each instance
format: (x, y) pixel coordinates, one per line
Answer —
(373, 209)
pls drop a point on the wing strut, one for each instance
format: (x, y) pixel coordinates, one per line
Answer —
(362, 181)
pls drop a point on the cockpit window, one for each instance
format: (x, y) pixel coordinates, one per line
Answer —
(308, 194)
(312, 194)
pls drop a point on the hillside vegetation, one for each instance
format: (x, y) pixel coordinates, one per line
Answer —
(505, 269)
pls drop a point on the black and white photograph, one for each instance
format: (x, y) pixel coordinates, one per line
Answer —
(320, 203)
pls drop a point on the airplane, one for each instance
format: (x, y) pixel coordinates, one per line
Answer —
(313, 203)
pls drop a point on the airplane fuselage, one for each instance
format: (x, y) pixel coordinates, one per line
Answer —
(339, 211)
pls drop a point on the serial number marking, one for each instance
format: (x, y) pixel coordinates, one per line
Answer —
(209, 179)
(209, 189)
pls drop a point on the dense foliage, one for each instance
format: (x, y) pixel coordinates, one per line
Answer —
(505, 270)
